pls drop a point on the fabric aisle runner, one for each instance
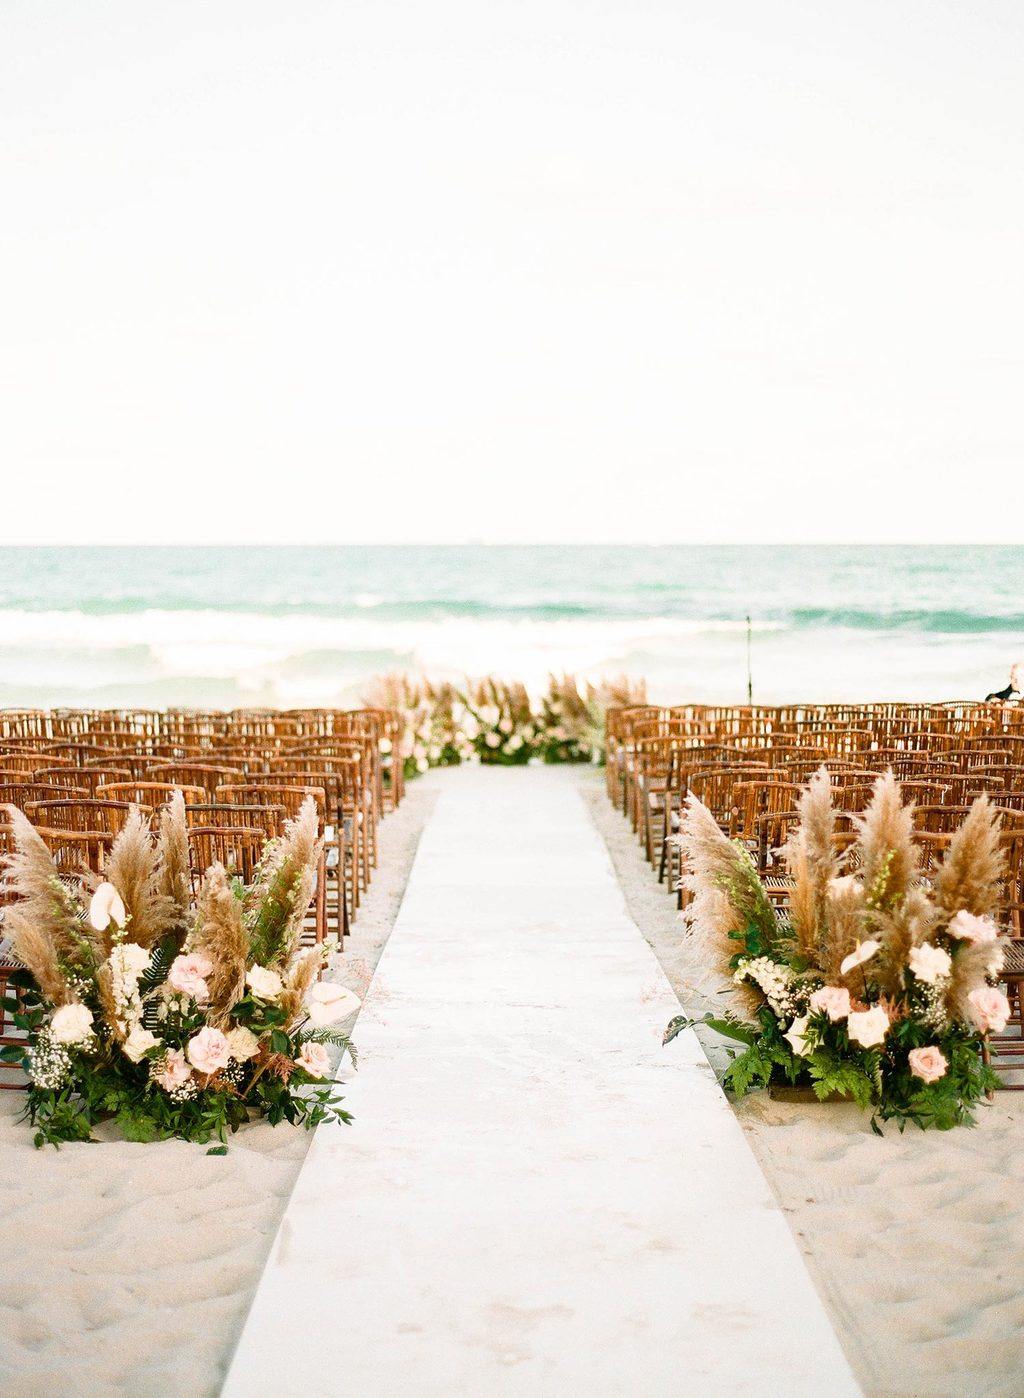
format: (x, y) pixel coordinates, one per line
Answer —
(536, 1197)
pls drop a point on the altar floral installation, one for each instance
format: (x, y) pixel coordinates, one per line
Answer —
(874, 981)
(171, 1011)
(498, 722)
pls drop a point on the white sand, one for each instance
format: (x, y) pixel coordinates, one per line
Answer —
(130, 1268)
(916, 1242)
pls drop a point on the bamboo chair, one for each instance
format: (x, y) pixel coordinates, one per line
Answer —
(150, 796)
(205, 775)
(80, 814)
(238, 848)
(291, 799)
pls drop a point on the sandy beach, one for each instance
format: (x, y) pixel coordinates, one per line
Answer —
(914, 1242)
(129, 1269)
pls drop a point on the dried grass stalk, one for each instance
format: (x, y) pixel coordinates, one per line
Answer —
(173, 874)
(131, 866)
(283, 890)
(812, 862)
(727, 897)
(220, 933)
(974, 865)
(45, 923)
(889, 858)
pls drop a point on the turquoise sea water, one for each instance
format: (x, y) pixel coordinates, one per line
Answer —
(226, 626)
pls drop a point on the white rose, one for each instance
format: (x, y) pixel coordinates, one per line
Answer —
(868, 1027)
(264, 984)
(138, 1043)
(71, 1024)
(329, 1002)
(795, 1035)
(129, 960)
(930, 963)
(106, 907)
(242, 1043)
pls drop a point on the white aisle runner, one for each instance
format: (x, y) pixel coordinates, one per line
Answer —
(535, 1198)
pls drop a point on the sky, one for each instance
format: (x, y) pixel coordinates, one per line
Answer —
(556, 270)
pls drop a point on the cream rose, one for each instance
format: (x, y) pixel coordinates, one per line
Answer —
(138, 1043)
(264, 984)
(105, 907)
(188, 976)
(329, 1002)
(834, 1000)
(209, 1051)
(174, 1071)
(862, 952)
(990, 1009)
(868, 1027)
(930, 963)
(315, 1059)
(71, 1024)
(796, 1036)
(968, 928)
(242, 1043)
(929, 1064)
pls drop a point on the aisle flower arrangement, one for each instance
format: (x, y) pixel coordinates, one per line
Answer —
(495, 721)
(569, 725)
(499, 722)
(172, 1015)
(432, 731)
(875, 983)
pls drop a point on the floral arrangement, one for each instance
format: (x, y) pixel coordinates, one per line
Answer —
(499, 722)
(432, 732)
(875, 983)
(174, 1015)
(570, 726)
(495, 721)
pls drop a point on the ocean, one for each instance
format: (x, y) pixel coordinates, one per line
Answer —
(221, 627)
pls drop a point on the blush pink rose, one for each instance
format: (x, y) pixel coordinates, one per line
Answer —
(834, 1000)
(968, 928)
(209, 1051)
(174, 1072)
(315, 1059)
(990, 1009)
(929, 1064)
(188, 976)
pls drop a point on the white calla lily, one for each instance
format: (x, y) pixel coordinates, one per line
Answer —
(106, 907)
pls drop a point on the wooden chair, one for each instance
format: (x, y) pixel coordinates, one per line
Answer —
(239, 848)
(149, 796)
(80, 814)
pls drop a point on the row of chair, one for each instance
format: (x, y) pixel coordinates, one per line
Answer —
(748, 766)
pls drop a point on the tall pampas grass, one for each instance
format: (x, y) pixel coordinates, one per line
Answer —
(727, 896)
(131, 866)
(973, 866)
(889, 859)
(221, 935)
(44, 924)
(279, 898)
(812, 862)
(173, 872)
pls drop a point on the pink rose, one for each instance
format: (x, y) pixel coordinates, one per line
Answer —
(174, 1071)
(188, 976)
(968, 928)
(834, 1000)
(209, 1051)
(990, 1009)
(315, 1059)
(929, 1064)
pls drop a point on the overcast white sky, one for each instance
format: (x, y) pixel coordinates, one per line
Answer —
(552, 270)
